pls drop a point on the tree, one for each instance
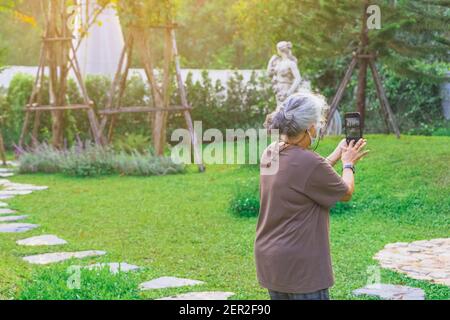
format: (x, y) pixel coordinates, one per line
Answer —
(413, 32)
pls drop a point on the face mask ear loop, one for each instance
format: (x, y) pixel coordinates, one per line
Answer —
(317, 139)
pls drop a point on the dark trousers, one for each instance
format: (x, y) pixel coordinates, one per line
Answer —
(318, 295)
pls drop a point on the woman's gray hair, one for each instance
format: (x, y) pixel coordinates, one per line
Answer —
(298, 113)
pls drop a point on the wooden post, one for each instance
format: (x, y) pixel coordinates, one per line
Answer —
(340, 92)
(362, 76)
(2, 146)
(384, 102)
(123, 77)
(158, 97)
(57, 62)
(184, 102)
(160, 118)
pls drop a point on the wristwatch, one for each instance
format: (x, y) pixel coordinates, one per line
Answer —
(350, 166)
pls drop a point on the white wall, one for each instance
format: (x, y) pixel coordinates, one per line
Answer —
(222, 75)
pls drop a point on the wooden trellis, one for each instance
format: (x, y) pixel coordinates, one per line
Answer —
(2, 145)
(138, 40)
(59, 57)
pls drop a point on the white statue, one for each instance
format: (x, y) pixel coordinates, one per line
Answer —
(287, 80)
(284, 72)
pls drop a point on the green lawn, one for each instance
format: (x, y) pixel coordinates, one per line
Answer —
(180, 225)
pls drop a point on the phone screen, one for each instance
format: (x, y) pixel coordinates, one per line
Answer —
(353, 127)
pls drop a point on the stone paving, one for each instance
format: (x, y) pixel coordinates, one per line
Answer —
(44, 240)
(422, 260)
(16, 227)
(12, 218)
(391, 292)
(47, 258)
(209, 295)
(168, 282)
(6, 211)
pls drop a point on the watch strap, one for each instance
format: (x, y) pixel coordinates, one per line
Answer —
(350, 166)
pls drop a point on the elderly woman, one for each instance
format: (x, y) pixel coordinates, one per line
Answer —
(292, 249)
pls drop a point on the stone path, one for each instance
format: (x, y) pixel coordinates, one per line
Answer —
(12, 218)
(44, 240)
(16, 227)
(391, 292)
(6, 211)
(422, 260)
(210, 295)
(168, 282)
(47, 258)
(9, 190)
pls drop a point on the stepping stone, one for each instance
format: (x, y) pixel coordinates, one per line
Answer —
(114, 267)
(5, 170)
(6, 211)
(45, 240)
(5, 197)
(26, 188)
(6, 175)
(54, 257)
(12, 218)
(7, 192)
(168, 282)
(201, 296)
(391, 292)
(22, 187)
(12, 163)
(3, 204)
(16, 227)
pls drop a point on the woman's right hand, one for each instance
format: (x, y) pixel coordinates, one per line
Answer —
(353, 152)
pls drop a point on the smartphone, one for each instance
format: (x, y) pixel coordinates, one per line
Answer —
(353, 128)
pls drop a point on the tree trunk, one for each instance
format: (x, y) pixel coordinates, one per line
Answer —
(57, 79)
(362, 76)
(2, 150)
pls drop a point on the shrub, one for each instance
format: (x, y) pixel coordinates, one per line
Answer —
(99, 284)
(43, 159)
(245, 200)
(88, 162)
(440, 128)
(130, 143)
(91, 160)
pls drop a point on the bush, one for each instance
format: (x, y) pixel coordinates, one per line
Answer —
(245, 200)
(99, 284)
(91, 160)
(441, 128)
(130, 143)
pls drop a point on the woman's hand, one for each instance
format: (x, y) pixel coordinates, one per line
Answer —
(334, 157)
(353, 152)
